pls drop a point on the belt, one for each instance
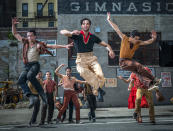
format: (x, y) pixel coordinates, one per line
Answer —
(121, 59)
(85, 54)
(31, 63)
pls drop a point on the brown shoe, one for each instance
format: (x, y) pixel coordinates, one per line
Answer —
(139, 119)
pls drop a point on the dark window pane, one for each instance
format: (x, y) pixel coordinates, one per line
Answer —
(24, 9)
(51, 24)
(25, 24)
(39, 9)
(50, 9)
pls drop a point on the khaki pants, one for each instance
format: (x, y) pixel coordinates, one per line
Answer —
(148, 94)
(90, 69)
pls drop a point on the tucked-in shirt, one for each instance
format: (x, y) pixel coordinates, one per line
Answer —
(137, 82)
(83, 44)
(68, 84)
(33, 54)
(49, 85)
(127, 49)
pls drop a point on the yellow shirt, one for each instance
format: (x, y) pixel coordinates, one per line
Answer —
(125, 50)
(32, 88)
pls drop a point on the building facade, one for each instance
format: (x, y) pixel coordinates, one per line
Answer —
(40, 15)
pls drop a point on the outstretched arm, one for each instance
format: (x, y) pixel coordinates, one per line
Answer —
(57, 71)
(69, 33)
(14, 32)
(59, 46)
(80, 82)
(108, 47)
(150, 41)
(114, 26)
(125, 80)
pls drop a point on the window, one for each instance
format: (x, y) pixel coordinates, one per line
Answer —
(51, 24)
(39, 9)
(25, 9)
(50, 9)
(147, 55)
(25, 23)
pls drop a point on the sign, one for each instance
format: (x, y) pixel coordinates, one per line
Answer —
(126, 74)
(51, 42)
(135, 7)
(166, 77)
(111, 82)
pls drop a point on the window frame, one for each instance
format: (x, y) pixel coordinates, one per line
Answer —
(39, 12)
(24, 12)
(50, 11)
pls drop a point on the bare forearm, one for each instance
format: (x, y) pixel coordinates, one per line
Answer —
(115, 27)
(108, 47)
(126, 81)
(81, 82)
(15, 33)
(14, 29)
(66, 33)
(57, 71)
(55, 46)
(150, 41)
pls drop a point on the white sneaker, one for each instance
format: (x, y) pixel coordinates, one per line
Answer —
(153, 88)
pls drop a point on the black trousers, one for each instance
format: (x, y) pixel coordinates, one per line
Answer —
(92, 105)
(70, 106)
(50, 107)
(35, 111)
(30, 71)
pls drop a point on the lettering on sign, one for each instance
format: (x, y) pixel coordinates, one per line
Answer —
(115, 7)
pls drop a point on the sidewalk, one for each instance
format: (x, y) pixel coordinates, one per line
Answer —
(22, 116)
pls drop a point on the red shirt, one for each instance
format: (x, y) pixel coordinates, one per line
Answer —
(137, 82)
(49, 85)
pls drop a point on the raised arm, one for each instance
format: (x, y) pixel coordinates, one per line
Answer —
(69, 33)
(108, 47)
(14, 32)
(59, 46)
(114, 26)
(150, 41)
(57, 71)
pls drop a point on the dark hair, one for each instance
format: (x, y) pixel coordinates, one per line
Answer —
(33, 31)
(81, 21)
(68, 68)
(48, 72)
(134, 33)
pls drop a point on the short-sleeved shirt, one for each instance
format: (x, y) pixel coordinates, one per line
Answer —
(137, 82)
(127, 49)
(50, 85)
(83, 44)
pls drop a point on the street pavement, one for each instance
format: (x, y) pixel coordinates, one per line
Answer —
(22, 116)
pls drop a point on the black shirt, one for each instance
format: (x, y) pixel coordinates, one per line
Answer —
(83, 44)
